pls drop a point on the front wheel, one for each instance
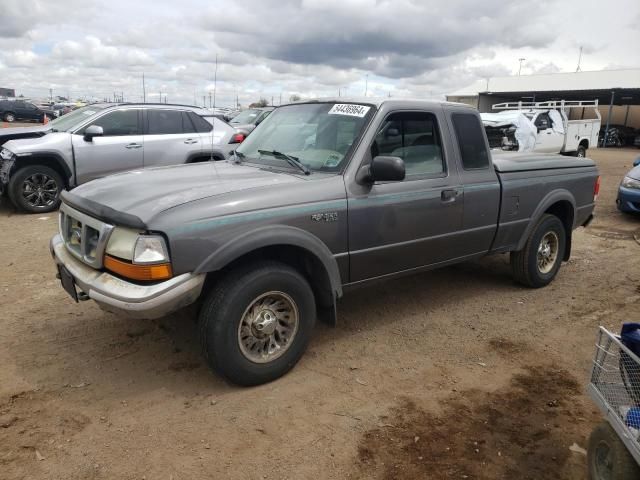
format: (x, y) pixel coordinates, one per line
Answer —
(256, 323)
(608, 458)
(9, 117)
(537, 264)
(36, 189)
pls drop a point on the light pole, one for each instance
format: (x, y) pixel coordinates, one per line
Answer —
(520, 67)
(366, 84)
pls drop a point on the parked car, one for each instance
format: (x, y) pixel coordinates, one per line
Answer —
(102, 139)
(322, 197)
(542, 127)
(628, 200)
(12, 110)
(247, 120)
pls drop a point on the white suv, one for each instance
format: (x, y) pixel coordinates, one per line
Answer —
(102, 139)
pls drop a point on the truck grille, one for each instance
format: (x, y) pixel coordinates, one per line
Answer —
(85, 237)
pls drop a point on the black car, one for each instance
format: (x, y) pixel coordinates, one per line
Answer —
(12, 110)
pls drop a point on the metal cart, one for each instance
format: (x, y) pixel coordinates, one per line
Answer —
(614, 446)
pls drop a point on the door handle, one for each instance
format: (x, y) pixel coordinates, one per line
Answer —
(190, 141)
(133, 145)
(448, 196)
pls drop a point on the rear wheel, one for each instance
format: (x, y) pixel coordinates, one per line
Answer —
(9, 117)
(537, 264)
(608, 458)
(36, 189)
(581, 152)
(256, 323)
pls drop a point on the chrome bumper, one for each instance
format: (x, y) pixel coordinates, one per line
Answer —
(125, 298)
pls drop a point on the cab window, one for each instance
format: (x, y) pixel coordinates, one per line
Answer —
(414, 137)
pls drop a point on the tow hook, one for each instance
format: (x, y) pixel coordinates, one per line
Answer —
(83, 297)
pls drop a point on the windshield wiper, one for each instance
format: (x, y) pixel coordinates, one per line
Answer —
(289, 158)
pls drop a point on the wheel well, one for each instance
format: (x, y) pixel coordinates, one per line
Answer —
(564, 211)
(584, 143)
(297, 257)
(50, 162)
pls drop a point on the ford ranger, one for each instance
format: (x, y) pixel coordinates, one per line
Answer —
(324, 196)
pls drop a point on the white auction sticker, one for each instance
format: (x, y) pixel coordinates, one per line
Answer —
(349, 109)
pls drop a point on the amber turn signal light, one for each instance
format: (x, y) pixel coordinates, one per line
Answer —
(161, 271)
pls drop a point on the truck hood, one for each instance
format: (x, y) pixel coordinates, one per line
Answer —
(47, 143)
(142, 194)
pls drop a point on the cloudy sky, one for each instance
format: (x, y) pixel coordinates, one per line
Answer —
(275, 49)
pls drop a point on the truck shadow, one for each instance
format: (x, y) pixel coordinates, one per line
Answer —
(79, 344)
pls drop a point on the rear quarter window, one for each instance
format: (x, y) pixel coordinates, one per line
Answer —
(201, 125)
(470, 135)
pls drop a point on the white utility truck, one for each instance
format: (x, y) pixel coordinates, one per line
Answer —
(543, 127)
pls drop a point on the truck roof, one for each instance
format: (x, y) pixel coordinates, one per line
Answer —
(379, 101)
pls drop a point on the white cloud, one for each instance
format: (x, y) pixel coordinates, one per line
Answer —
(306, 47)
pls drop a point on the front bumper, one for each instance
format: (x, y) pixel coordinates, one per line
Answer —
(628, 200)
(125, 298)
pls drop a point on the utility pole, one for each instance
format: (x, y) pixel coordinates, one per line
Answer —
(579, 60)
(366, 85)
(272, 100)
(280, 99)
(204, 101)
(144, 90)
(520, 67)
(209, 98)
(215, 82)
(160, 101)
(51, 95)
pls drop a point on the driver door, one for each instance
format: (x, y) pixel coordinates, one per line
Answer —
(119, 149)
(547, 139)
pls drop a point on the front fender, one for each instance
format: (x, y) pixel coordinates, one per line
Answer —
(551, 198)
(275, 235)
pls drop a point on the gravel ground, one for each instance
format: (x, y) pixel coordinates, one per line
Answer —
(456, 373)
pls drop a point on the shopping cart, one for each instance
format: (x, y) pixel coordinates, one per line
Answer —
(614, 446)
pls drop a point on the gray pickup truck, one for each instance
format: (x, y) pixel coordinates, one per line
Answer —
(322, 197)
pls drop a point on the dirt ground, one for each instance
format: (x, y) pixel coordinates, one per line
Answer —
(456, 373)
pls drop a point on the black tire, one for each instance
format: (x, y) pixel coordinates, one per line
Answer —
(222, 312)
(9, 117)
(581, 152)
(524, 263)
(607, 456)
(20, 186)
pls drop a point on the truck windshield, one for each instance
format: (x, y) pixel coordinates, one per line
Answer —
(318, 135)
(71, 119)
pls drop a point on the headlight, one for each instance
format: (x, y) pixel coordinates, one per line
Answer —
(629, 182)
(6, 154)
(122, 243)
(136, 256)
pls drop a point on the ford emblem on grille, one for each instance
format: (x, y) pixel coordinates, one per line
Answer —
(76, 235)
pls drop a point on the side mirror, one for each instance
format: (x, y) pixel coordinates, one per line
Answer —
(382, 169)
(92, 131)
(636, 162)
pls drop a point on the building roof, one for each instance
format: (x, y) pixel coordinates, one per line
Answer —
(554, 82)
